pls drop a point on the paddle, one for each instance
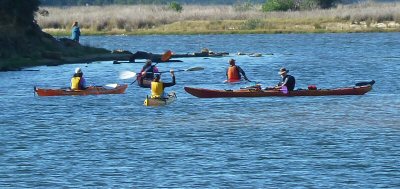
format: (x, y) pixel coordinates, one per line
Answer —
(186, 70)
(110, 86)
(166, 56)
(129, 74)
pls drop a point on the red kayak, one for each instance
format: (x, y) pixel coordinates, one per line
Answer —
(144, 83)
(258, 92)
(93, 90)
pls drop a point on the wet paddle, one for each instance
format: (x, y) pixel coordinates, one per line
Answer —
(186, 70)
(129, 74)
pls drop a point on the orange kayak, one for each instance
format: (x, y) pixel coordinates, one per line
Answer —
(93, 90)
(257, 92)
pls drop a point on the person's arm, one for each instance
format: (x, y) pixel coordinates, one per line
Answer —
(173, 80)
(284, 83)
(82, 83)
(242, 72)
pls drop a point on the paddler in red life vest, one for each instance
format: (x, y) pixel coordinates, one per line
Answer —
(233, 74)
(157, 86)
(77, 80)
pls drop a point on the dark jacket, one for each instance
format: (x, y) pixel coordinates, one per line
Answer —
(288, 81)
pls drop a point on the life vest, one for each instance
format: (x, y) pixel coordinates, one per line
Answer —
(149, 73)
(157, 89)
(291, 82)
(233, 73)
(75, 83)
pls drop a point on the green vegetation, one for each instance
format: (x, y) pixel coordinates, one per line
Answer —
(175, 6)
(285, 5)
(278, 5)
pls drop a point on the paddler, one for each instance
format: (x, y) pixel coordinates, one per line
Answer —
(157, 86)
(77, 80)
(287, 80)
(148, 70)
(234, 72)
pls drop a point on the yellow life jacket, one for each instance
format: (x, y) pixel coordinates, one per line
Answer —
(157, 89)
(75, 83)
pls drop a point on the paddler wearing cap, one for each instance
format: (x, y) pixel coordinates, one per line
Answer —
(77, 80)
(148, 70)
(287, 80)
(157, 86)
(234, 72)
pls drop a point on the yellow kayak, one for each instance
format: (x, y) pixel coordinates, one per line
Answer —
(160, 101)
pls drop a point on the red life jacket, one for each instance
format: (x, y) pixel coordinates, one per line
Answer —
(233, 74)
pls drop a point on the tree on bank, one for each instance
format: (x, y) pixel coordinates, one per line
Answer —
(19, 12)
(285, 5)
(22, 41)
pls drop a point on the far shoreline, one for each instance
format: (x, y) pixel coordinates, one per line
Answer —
(310, 28)
(219, 19)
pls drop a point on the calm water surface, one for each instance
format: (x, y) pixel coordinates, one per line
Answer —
(113, 141)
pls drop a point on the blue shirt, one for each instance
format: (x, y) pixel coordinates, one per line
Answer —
(75, 33)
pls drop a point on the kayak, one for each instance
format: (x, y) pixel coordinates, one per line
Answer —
(258, 92)
(145, 83)
(92, 90)
(160, 101)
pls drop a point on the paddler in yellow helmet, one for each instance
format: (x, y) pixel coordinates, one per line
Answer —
(77, 80)
(157, 86)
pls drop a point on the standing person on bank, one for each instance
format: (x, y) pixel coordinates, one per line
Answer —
(75, 32)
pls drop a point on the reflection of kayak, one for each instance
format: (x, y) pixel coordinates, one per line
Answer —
(257, 92)
(93, 90)
(160, 101)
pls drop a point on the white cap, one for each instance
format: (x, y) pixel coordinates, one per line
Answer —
(78, 70)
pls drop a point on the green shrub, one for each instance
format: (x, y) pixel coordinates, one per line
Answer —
(252, 24)
(175, 6)
(278, 5)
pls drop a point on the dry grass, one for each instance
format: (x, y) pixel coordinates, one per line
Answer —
(142, 19)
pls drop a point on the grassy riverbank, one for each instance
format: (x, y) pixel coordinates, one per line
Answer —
(194, 19)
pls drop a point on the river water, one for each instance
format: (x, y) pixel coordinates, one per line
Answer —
(113, 141)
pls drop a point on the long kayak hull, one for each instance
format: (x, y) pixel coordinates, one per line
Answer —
(160, 101)
(209, 93)
(93, 90)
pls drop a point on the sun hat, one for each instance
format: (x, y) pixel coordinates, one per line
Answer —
(283, 70)
(78, 70)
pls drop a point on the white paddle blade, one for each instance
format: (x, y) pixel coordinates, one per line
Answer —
(110, 86)
(127, 75)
